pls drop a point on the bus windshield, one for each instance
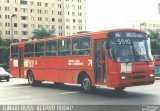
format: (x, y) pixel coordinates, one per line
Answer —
(133, 49)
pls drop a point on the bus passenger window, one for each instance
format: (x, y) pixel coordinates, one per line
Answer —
(14, 51)
(51, 48)
(64, 47)
(81, 46)
(39, 49)
(29, 50)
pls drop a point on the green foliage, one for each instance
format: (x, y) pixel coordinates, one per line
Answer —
(155, 47)
(155, 41)
(154, 34)
(42, 33)
(4, 52)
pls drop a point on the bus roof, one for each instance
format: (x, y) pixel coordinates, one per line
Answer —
(83, 33)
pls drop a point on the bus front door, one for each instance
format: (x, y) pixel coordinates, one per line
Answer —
(100, 61)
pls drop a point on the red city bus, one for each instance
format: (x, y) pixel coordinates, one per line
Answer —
(115, 58)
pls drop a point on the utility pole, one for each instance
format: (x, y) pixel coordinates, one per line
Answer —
(13, 15)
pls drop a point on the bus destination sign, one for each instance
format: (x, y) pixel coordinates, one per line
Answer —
(128, 34)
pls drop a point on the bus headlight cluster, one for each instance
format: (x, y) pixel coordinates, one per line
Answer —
(151, 75)
(125, 77)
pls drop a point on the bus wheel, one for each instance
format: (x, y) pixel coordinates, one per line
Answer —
(119, 89)
(31, 80)
(86, 84)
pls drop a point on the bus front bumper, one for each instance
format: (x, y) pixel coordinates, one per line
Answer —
(129, 83)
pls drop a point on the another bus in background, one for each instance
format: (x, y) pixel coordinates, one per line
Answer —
(157, 64)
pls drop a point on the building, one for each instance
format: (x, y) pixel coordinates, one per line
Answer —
(145, 25)
(65, 16)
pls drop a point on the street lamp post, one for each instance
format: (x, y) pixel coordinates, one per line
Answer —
(13, 15)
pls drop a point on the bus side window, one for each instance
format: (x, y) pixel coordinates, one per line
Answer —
(64, 47)
(14, 51)
(29, 50)
(39, 49)
(51, 48)
(86, 45)
(81, 46)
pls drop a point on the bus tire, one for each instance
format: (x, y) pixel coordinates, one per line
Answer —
(86, 84)
(31, 80)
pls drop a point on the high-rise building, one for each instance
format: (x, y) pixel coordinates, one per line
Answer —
(21, 17)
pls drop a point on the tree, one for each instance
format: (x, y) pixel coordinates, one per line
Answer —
(154, 34)
(4, 52)
(155, 41)
(42, 33)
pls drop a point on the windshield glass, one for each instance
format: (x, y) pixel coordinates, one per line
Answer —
(130, 49)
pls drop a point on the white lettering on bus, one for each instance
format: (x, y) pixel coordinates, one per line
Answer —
(15, 63)
(89, 62)
(30, 63)
(75, 63)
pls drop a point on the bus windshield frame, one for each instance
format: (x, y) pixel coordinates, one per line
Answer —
(127, 46)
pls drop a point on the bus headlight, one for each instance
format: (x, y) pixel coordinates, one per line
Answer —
(123, 77)
(151, 75)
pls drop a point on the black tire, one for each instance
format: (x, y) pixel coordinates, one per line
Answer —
(32, 81)
(86, 84)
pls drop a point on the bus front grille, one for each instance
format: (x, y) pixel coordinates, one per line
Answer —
(138, 77)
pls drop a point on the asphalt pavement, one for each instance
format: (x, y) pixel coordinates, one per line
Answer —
(18, 92)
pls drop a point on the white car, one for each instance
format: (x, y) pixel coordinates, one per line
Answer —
(4, 75)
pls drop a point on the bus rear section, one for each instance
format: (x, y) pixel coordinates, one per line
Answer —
(17, 60)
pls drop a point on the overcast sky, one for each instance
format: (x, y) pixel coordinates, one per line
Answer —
(106, 14)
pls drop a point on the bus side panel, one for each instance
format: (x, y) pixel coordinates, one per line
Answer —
(112, 72)
(62, 69)
(36, 66)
